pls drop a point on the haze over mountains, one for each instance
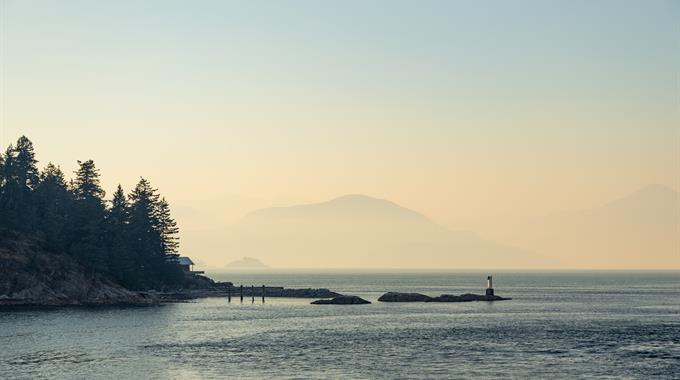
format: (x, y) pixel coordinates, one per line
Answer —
(641, 230)
(361, 231)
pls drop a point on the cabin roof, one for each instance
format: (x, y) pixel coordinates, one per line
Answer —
(183, 260)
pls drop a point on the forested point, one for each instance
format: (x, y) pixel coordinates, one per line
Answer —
(128, 238)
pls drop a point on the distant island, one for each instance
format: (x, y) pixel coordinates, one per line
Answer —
(246, 263)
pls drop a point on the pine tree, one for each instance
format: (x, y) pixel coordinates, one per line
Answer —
(5, 176)
(87, 224)
(53, 205)
(143, 217)
(167, 228)
(119, 212)
(145, 241)
(2, 164)
(123, 264)
(171, 274)
(86, 185)
(20, 176)
(25, 164)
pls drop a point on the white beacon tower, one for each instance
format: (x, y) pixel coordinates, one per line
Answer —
(489, 286)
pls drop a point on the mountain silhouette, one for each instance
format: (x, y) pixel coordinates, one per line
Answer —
(352, 206)
(355, 231)
(640, 230)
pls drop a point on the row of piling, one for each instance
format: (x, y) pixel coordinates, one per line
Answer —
(252, 293)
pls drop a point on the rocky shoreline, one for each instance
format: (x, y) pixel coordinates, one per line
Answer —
(114, 295)
(31, 277)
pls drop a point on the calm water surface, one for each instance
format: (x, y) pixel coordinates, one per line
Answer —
(558, 325)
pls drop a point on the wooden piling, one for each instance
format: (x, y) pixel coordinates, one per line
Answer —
(241, 293)
(252, 293)
(228, 293)
(263, 291)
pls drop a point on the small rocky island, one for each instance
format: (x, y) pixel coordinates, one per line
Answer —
(342, 300)
(467, 297)
(417, 297)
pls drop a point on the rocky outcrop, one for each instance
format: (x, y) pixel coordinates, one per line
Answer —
(403, 297)
(465, 298)
(31, 276)
(197, 281)
(342, 300)
(304, 293)
(417, 297)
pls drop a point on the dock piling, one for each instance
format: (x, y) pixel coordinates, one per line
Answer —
(228, 293)
(252, 293)
(241, 293)
(263, 291)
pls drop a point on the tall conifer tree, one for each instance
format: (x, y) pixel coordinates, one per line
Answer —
(88, 217)
(167, 228)
(53, 205)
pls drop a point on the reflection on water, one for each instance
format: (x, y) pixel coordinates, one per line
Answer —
(561, 325)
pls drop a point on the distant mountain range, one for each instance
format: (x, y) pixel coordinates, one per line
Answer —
(641, 230)
(360, 231)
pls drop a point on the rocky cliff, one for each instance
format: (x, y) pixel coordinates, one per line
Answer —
(31, 276)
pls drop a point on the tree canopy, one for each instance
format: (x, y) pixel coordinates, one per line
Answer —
(131, 238)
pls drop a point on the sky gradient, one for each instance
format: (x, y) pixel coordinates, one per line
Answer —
(472, 113)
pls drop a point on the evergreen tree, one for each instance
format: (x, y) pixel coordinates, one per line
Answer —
(145, 241)
(2, 165)
(87, 223)
(119, 212)
(86, 185)
(167, 228)
(25, 164)
(143, 218)
(5, 170)
(122, 262)
(53, 205)
(153, 236)
(26, 174)
(20, 176)
(128, 242)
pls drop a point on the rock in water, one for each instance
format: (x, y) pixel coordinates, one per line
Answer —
(403, 297)
(465, 298)
(342, 300)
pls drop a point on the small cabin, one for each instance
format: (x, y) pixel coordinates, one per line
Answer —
(186, 264)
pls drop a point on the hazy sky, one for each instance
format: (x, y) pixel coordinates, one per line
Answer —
(473, 113)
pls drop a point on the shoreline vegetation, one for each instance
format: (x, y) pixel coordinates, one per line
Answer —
(63, 243)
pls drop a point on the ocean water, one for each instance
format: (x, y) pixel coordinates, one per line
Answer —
(558, 325)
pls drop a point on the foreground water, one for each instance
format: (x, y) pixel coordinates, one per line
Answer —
(560, 325)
